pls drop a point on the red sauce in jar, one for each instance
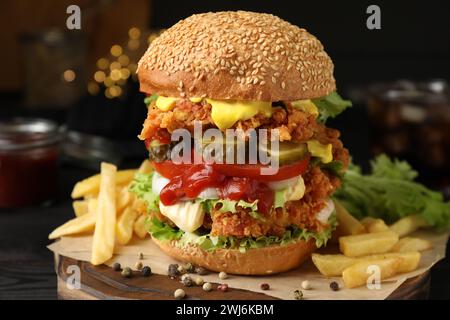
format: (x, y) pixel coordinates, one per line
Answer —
(28, 162)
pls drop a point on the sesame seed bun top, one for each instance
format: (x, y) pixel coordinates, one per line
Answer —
(236, 55)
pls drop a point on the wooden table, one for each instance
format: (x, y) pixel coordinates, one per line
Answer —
(101, 282)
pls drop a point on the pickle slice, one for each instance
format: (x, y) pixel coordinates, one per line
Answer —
(287, 152)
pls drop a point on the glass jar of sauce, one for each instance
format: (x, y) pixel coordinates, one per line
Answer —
(28, 161)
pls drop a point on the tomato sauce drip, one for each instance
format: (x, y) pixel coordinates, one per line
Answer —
(198, 177)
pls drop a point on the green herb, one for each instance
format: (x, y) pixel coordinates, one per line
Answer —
(150, 99)
(330, 106)
(142, 187)
(390, 193)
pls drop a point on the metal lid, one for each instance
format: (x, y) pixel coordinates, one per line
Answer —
(27, 133)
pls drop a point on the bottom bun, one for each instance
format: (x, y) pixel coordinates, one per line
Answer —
(262, 261)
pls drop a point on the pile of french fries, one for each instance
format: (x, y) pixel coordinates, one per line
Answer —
(104, 206)
(370, 242)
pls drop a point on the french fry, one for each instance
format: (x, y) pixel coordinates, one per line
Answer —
(123, 198)
(139, 226)
(332, 265)
(357, 274)
(104, 234)
(80, 207)
(91, 185)
(83, 223)
(408, 225)
(369, 243)
(374, 225)
(408, 244)
(139, 205)
(145, 167)
(410, 260)
(124, 227)
(347, 224)
(92, 205)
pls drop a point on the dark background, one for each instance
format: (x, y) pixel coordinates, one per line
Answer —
(413, 43)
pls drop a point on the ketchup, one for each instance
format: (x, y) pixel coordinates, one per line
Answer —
(201, 176)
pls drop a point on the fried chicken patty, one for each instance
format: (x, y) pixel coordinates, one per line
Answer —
(293, 124)
(301, 213)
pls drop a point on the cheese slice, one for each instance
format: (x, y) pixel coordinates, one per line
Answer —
(166, 103)
(307, 106)
(187, 215)
(225, 113)
(322, 151)
(196, 99)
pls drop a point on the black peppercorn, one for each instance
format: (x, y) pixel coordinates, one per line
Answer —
(116, 266)
(187, 281)
(146, 271)
(334, 286)
(298, 295)
(173, 270)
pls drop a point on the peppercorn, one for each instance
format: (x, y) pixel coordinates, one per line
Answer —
(141, 256)
(179, 294)
(334, 286)
(265, 286)
(146, 271)
(201, 271)
(138, 265)
(198, 281)
(181, 269)
(126, 272)
(306, 285)
(173, 270)
(223, 275)
(222, 287)
(207, 286)
(298, 295)
(189, 267)
(116, 266)
(187, 281)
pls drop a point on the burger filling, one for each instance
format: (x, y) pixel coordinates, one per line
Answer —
(219, 205)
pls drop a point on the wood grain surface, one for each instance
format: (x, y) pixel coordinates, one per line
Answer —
(101, 282)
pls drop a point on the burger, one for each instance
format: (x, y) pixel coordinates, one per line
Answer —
(240, 71)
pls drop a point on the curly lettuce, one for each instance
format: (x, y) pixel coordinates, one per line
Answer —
(162, 231)
(142, 188)
(389, 192)
(330, 106)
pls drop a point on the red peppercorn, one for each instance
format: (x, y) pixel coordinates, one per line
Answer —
(222, 287)
(265, 286)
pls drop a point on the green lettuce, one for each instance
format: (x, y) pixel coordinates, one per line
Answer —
(330, 106)
(163, 231)
(150, 99)
(389, 192)
(142, 188)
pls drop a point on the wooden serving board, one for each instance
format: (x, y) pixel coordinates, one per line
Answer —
(101, 282)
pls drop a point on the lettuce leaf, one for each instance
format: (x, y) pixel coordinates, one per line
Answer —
(163, 231)
(330, 106)
(150, 99)
(389, 192)
(142, 188)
